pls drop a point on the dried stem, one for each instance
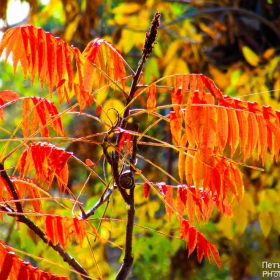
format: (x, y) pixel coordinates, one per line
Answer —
(151, 36)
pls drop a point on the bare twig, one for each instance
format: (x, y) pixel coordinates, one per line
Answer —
(226, 9)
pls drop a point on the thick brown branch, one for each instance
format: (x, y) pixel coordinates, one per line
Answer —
(128, 257)
(129, 199)
(11, 186)
(23, 219)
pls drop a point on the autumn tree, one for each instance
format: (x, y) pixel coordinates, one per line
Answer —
(212, 136)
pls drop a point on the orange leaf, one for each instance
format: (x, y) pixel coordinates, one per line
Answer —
(179, 205)
(197, 169)
(80, 230)
(190, 205)
(169, 202)
(61, 233)
(52, 59)
(8, 95)
(262, 143)
(181, 160)
(253, 136)
(51, 231)
(189, 167)
(222, 128)
(89, 162)
(233, 136)
(152, 100)
(175, 127)
(210, 85)
(25, 117)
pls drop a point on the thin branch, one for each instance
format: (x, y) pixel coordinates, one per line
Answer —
(128, 257)
(226, 9)
(105, 197)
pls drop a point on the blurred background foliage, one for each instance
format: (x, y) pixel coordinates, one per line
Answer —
(235, 42)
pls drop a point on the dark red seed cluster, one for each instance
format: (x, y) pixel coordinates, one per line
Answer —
(151, 36)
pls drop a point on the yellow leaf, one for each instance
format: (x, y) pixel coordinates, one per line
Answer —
(250, 56)
(127, 8)
(226, 226)
(222, 80)
(240, 217)
(276, 217)
(247, 203)
(104, 234)
(71, 28)
(265, 222)
(176, 66)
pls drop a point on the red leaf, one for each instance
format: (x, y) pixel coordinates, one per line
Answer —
(1, 109)
(12, 267)
(98, 110)
(202, 246)
(176, 99)
(146, 189)
(125, 137)
(24, 272)
(191, 240)
(7, 266)
(183, 194)
(40, 108)
(48, 160)
(184, 229)
(162, 188)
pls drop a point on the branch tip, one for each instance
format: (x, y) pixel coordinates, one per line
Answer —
(151, 36)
